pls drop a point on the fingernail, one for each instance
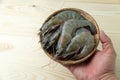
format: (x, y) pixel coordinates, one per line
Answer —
(102, 32)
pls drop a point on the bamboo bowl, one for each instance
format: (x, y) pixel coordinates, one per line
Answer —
(96, 36)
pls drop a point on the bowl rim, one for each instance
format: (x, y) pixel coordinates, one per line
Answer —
(89, 18)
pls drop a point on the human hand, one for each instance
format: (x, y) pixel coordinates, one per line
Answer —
(101, 66)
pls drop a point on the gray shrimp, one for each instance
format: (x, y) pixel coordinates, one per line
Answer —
(53, 21)
(78, 40)
(87, 48)
(67, 15)
(53, 38)
(46, 39)
(84, 40)
(68, 29)
(51, 35)
(61, 17)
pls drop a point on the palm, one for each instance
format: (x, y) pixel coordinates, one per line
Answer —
(101, 63)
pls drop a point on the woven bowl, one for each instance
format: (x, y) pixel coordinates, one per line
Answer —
(96, 36)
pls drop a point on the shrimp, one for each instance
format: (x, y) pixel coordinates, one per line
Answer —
(53, 21)
(61, 17)
(68, 30)
(78, 40)
(90, 43)
(83, 40)
(50, 36)
(53, 38)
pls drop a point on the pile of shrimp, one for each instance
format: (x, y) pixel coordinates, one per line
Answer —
(68, 36)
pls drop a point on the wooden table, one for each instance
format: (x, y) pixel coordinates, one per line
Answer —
(21, 57)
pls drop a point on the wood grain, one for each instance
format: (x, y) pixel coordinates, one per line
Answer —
(21, 56)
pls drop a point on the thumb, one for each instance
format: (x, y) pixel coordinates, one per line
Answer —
(106, 42)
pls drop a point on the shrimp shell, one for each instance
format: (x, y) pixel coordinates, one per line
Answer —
(62, 16)
(68, 29)
(83, 40)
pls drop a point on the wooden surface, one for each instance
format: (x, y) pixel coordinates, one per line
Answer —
(21, 57)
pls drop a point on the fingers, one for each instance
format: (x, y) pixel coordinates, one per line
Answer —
(106, 42)
(70, 67)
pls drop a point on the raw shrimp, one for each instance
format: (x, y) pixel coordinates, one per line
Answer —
(50, 36)
(83, 40)
(61, 17)
(68, 31)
